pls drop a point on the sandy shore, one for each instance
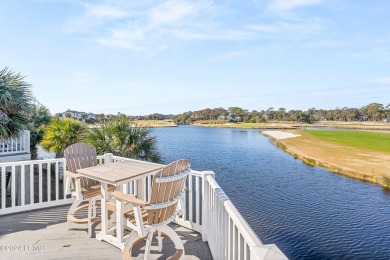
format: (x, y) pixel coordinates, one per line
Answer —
(280, 135)
(353, 162)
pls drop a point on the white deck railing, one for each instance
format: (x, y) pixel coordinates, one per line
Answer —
(27, 185)
(206, 208)
(16, 145)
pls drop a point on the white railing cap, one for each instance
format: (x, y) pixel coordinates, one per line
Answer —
(267, 252)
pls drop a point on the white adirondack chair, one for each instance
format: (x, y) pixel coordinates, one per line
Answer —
(79, 156)
(168, 188)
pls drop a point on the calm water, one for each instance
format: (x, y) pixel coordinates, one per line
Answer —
(308, 212)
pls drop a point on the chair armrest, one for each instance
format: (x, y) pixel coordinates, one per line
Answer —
(73, 175)
(129, 198)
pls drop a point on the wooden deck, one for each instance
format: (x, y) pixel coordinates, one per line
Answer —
(42, 234)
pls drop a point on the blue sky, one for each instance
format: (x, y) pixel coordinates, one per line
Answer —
(141, 57)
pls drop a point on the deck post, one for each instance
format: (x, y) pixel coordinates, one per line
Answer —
(205, 203)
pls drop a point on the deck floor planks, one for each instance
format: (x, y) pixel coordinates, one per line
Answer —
(47, 227)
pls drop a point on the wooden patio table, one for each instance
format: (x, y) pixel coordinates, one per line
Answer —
(117, 173)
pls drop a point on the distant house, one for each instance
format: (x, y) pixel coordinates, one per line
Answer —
(362, 118)
(78, 114)
(234, 118)
(90, 115)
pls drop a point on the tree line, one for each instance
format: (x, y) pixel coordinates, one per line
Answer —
(370, 112)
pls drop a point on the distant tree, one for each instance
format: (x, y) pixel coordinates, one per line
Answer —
(374, 111)
(101, 117)
(269, 114)
(68, 115)
(119, 137)
(60, 133)
(15, 102)
(281, 114)
(237, 111)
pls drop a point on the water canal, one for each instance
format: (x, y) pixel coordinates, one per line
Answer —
(309, 212)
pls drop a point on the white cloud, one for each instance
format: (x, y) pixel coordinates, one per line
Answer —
(173, 11)
(156, 25)
(284, 5)
(94, 16)
(103, 11)
(301, 27)
(230, 55)
(221, 35)
(384, 80)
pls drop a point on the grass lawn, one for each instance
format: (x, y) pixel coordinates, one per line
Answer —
(359, 154)
(374, 141)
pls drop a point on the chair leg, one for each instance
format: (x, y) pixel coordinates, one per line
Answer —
(176, 240)
(129, 244)
(159, 239)
(90, 209)
(71, 211)
(94, 207)
(148, 243)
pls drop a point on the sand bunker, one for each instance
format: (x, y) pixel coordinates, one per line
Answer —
(280, 134)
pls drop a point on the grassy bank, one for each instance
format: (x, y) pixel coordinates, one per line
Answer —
(373, 141)
(362, 155)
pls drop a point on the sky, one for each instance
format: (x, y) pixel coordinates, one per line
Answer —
(142, 57)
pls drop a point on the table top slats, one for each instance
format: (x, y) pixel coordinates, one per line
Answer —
(114, 173)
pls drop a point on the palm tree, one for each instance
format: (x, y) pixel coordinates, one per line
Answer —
(15, 102)
(39, 117)
(60, 133)
(119, 137)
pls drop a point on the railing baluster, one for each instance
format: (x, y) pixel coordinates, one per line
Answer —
(197, 200)
(48, 177)
(40, 182)
(22, 185)
(149, 187)
(230, 238)
(13, 186)
(190, 217)
(3, 187)
(57, 177)
(131, 187)
(31, 184)
(239, 244)
(63, 177)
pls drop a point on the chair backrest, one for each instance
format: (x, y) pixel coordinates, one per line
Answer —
(167, 187)
(79, 156)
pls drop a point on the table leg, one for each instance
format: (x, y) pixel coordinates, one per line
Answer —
(104, 216)
(119, 217)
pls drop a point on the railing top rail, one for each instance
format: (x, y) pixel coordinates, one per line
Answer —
(32, 162)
